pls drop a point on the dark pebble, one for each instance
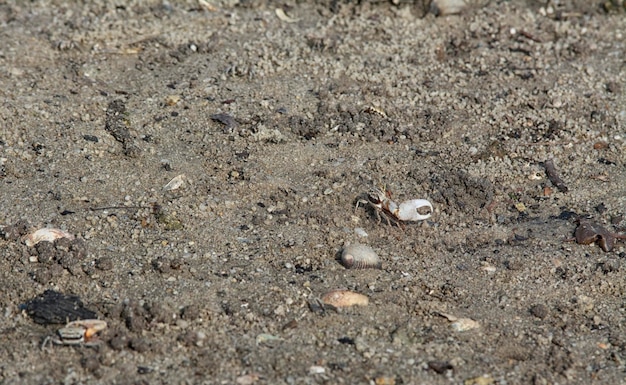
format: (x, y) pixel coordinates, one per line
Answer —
(144, 370)
(79, 248)
(104, 263)
(189, 338)
(134, 317)
(613, 87)
(162, 265)
(609, 266)
(42, 276)
(67, 261)
(440, 366)
(46, 252)
(539, 311)
(118, 342)
(191, 312)
(91, 138)
(513, 264)
(63, 244)
(159, 312)
(90, 363)
(140, 345)
(56, 270)
(16, 231)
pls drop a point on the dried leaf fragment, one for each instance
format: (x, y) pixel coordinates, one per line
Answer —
(554, 176)
(589, 232)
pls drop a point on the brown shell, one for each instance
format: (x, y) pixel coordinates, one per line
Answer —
(344, 298)
(357, 256)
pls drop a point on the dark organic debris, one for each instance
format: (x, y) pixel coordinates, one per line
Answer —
(53, 307)
(565, 215)
(554, 176)
(226, 120)
(589, 232)
(117, 125)
(346, 340)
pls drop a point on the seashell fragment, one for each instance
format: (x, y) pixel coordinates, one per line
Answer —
(357, 256)
(447, 7)
(265, 338)
(175, 183)
(283, 16)
(344, 298)
(248, 379)
(315, 369)
(461, 324)
(48, 235)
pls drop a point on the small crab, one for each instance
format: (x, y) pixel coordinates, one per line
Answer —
(80, 332)
(407, 211)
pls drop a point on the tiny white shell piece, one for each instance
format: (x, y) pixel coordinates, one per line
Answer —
(447, 7)
(48, 235)
(460, 324)
(317, 370)
(357, 256)
(408, 210)
(283, 16)
(175, 183)
(360, 232)
(464, 324)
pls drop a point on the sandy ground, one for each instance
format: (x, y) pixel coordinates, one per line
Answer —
(280, 123)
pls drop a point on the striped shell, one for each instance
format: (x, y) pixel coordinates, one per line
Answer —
(344, 298)
(357, 256)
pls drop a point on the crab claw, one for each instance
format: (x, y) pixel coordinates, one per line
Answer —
(410, 210)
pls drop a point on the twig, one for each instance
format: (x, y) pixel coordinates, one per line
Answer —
(553, 176)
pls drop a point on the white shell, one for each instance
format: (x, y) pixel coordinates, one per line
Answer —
(48, 235)
(447, 7)
(357, 256)
(461, 324)
(344, 298)
(407, 211)
(175, 183)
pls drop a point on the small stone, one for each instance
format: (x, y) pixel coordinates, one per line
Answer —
(140, 345)
(440, 366)
(104, 263)
(539, 311)
(118, 342)
(344, 298)
(317, 370)
(191, 312)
